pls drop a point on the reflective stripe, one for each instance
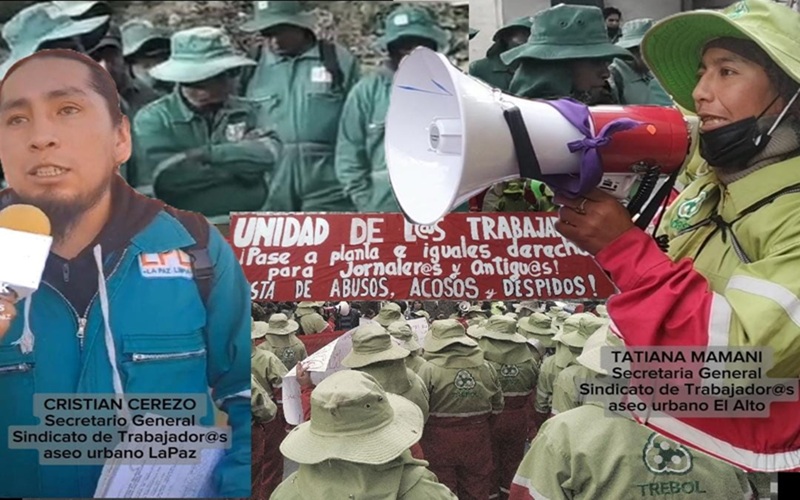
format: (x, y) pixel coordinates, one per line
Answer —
(768, 290)
(474, 414)
(719, 323)
(763, 462)
(526, 483)
(516, 394)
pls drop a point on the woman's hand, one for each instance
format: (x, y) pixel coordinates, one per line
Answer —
(593, 221)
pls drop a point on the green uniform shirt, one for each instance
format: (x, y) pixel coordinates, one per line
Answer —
(288, 348)
(211, 165)
(515, 367)
(544, 385)
(461, 382)
(403, 478)
(633, 87)
(360, 158)
(492, 71)
(395, 378)
(267, 374)
(566, 390)
(262, 406)
(312, 323)
(298, 96)
(415, 362)
(587, 454)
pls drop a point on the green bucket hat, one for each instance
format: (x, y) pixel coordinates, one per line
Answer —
(445, 332)
(409, 20)
(258, 329)
(512, 315)
(199, 54)
(567, 32)
(633, 32)
(280, 324)
(39, 23)
(475, 311)
(497, 47)
(401, 330)
(273, 13)
(602, 311)
(83, 10)
(554, 310)
(673, 47)
(497, 328)
(530, 305)
(372, 344)
(590, 357)
(388, 314)
(355, 420)
(538, 326)
(422, 314)
(138, 32)
(578, 328)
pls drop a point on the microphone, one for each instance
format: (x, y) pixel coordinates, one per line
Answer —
(25, 242)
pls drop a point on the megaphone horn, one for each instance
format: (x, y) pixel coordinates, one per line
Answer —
(450, 136)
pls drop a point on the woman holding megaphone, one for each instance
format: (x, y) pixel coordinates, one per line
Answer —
(729, 278)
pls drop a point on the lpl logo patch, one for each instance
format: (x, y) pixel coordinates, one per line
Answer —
(172, 264)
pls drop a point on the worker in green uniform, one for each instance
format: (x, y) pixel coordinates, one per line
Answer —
(268, 426)
(374, 352)
(401, 330)
(491, 69)
(357, 445)
(565, 388)
(360, 159)
(200, 147)
(302, 83)
(389, 313)
(280, 339)
(631, 80)
(143, 47)
(310, 319)
(589, 453)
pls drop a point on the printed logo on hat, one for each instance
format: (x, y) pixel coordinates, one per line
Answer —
(262, 5)
(401, 19)
(738, 9)
(234, 132)
(662, 456)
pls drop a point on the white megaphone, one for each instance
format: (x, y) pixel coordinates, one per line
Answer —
(450, 136)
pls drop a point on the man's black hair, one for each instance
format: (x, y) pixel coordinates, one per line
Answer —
(608, 11)
(99, 79)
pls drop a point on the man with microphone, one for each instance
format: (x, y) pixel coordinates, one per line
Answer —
(136, 298)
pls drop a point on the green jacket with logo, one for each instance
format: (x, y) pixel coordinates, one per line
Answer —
(395, 378)
(461, 382)
(514, 365)
(566, 390)
(404, 478)
(544, 385)
(312, 322)
(286, 348)
(212, 165)
(587, 454)
(297, 95)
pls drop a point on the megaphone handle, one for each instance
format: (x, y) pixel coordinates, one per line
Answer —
(529, 167)
(660, 198)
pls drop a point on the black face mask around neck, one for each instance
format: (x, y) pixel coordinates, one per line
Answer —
(731, 147)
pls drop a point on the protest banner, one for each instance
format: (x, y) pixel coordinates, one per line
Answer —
(466, 256)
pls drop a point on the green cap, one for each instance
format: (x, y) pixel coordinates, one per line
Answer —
(389, 313)
(577, 328)
(138, 32)
(280, 324)
(401, 330)
(353, 419)
(372, 344)
(83, 10)
(521, 22)
(633, 32)
(445, 332)
(498, 328)
(199, 54)
(409, 20)
(673, 47)
(567, 32)
(39, 23)
(591, 355)
(269, 14)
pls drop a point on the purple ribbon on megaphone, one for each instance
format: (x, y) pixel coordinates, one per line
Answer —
(591, 172)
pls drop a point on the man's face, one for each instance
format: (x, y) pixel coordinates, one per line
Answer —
(286, 40)
(590, 75)
(111, 59)
(405, 45)
(612, 21)
(516, 37)
(58, 145)
(211, 93)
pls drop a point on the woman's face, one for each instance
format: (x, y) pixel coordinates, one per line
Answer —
(731, 88)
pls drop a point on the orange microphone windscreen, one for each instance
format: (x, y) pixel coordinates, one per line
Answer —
(25, 218)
